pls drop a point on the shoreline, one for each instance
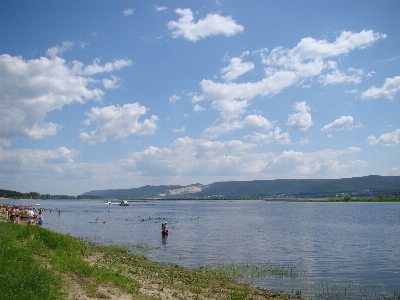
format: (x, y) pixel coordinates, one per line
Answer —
(90, 271)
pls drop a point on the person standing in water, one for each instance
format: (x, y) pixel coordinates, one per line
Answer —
(164, 229)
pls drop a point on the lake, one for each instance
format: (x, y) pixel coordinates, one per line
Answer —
(323, 249)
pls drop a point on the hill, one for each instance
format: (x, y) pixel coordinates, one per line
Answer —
(280, 188)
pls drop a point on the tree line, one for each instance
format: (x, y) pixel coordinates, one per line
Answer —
(35, 195)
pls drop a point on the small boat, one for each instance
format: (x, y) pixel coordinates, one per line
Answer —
(124, 203)
(25, 213)
(109, 202)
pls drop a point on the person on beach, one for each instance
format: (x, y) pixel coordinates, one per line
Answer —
(40, 218)
(12, 216)
(164, 229)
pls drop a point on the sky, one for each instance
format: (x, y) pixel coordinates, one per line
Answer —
(121, 94)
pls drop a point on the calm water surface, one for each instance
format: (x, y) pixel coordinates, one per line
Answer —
(353, 247)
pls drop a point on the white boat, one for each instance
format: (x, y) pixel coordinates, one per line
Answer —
(124, 203)
(109, 202)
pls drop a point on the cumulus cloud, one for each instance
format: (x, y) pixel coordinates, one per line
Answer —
(257, 121)
(302, 120)
(186, 160)
(312, 49)
(225, 125)
(224, 99)
(339, 124)
(307, 58)
(31, 89)
(54, 171)
(387, 139)
(388, 90)
(118, 122)
(212, 24)
(285, 67)
(236, 68)
(274, 136)
(201, 157)
(25, 161)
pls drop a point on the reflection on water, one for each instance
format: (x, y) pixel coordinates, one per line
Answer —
(329, 244)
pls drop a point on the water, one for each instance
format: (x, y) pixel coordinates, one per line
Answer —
(335, 248)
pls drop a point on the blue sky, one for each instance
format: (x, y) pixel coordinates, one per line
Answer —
(121, 94)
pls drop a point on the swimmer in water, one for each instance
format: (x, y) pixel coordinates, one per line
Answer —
(164, 229)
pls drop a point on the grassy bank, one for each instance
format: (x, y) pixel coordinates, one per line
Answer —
(39, 264)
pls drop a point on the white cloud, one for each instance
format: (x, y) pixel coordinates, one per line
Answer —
(39, 162)
(272, 137)
(182, 130)
(307, 58)
(160, 8)
(193, 157)
(58, 50)
(79, 69)
(212, 24)
(118, 122)
(29, 90)
(186, 161)
(270, 85)
(388, 90)
(228, 121)
(232, 123)
(54, 171)
(198, 108)
(111, 83)
(174, 98)
(386, 139)
(286, 67)
(301, 121)
(198, 157)
(340, 77)
(224, 99)
(236, 68)
(339, 124)
(310, 49)
(128, 11)
(258, 122)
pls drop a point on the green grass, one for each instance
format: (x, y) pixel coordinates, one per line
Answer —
(23, 276)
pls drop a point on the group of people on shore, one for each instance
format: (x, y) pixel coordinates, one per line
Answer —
(13, 213)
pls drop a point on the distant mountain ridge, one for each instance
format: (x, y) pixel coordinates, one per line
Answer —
(372, 185)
